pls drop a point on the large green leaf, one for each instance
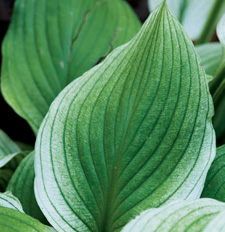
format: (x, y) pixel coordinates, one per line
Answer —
(9, 201)
(132, 133)
(12, 220)
(203, 215)
(22, 186)
(198, 17)
(50, 43)
(215, 185)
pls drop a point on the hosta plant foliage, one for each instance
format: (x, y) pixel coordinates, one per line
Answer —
(204, 215)
(215, 185)
(132, 133)
(50, 43)
(213, 59)
(131, 136)
(11, 155)
(21, 185)
(198, 17)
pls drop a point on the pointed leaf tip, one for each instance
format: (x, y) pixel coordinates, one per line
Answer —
(133, 133)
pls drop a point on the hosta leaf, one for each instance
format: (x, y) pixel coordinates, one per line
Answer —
(198, 17)
(50, 43)
(10, 157)
(5, 175)
(217, 87)
(9, 201)
(215, 182)
(211, 55)
(132, 133)
(8, 149)
(12, 220)
(181, 216)
(22, 186)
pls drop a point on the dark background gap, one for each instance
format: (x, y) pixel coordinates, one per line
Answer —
(16, 127)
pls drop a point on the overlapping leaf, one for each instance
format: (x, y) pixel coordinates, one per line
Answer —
(198, 17)
(50, 43)
(12, 220)
(132, 133)
(203, 215)
(10, 157)
(211, 55)
(9, 201)
(8, 149)
(217, 88)
(215, 182)
(22, 186)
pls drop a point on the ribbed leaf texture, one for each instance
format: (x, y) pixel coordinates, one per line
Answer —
(50, 43)
(12, 220)
(205, 215)
(9, 201)
(132, 133)
(198, 17)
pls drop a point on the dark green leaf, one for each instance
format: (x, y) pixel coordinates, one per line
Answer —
(215, 182)
(50, 43)
(22, 186)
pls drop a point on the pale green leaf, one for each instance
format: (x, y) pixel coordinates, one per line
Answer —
(198, 17)
(9, 201)
(211, 55)
(22, 186)
(181, 216)
(8, 149)
(215, 182)
(221, 30)
(10, 157)
(132, 133)
(12, 220)
(50, 43)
